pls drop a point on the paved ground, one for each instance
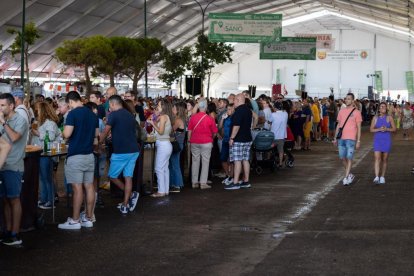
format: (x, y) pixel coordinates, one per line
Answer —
(294, 221)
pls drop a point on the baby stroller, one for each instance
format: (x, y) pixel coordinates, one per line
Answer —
(264, 154)
(287, 148)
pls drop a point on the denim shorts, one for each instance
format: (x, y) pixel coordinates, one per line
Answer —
(122, 162)
(11, 184)
(346, 148)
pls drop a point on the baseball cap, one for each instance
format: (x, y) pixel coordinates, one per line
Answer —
(18, 92)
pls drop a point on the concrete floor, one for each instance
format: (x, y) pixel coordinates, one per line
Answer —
(291, 222)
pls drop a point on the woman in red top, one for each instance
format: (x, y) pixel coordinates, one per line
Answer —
(201, 130)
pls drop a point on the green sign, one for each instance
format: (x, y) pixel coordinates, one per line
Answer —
(244, 27)
(301, 78)
(277, 76)
(378, 81)
(409, 77)
(297, 48)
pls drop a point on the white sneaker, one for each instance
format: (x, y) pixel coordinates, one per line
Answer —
(83, 215)
(70, 224)
(351, 178)
(376, 180)
(382, 180)
(345, 181)
(85, 222)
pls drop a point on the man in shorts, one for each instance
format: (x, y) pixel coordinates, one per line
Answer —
(14, 129)
(121, 123)
(351, 136)
(240, 143)
(82, 130)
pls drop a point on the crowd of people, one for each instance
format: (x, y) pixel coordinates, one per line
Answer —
(113, 128)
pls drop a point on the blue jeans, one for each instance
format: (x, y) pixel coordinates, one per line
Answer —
(46, 182)
(176, 178)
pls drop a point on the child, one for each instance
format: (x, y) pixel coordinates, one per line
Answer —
(226, 124)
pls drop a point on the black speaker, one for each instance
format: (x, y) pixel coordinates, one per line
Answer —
(302, 87)
(304, 95)
(193, 86)
(371, 92)
(252, 90)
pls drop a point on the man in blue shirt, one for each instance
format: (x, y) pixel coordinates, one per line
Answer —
(122, 125)
(82, 130)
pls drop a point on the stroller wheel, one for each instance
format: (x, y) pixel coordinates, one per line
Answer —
(259, 170)
(289, 163)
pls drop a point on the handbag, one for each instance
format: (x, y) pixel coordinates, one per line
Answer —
(175, 145)
(339, 134)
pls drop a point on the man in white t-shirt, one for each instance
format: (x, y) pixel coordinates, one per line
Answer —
(278, 122)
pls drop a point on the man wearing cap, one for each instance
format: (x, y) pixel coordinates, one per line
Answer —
(18, 95)
(278, 122)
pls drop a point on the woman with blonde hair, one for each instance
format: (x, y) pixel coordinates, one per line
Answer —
(179, 127)
(162, 128)
(47, 125)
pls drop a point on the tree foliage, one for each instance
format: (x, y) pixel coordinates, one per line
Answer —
(115, 56)
(31, 34)
(175, 63)
(201, 58)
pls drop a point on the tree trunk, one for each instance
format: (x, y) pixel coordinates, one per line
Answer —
(135, 83)
(112, 80)
(208, 83)
(27, 85)
(181, 86)
(88, 81)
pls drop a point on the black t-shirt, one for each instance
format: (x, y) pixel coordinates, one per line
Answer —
(101, 111)
(140, 111)
(84, 123)
(243, 117)
(123, 129)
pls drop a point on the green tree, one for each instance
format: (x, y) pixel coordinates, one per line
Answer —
(31, 34)
(93, 52)
(148, 51)
(175, 63)
(123, 48)
(213, 54)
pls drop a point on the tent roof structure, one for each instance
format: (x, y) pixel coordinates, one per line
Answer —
(176, 22)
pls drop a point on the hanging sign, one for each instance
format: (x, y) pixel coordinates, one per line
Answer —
(350, 55)
(378, 81)
(277, 76)
(244, 28)
(323, 41)
(290, 48)
(409, 77)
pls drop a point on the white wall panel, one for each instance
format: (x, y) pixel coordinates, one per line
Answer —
(391, 56)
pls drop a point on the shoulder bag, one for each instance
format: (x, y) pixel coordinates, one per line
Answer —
(339, 134)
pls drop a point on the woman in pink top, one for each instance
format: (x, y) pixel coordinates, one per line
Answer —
(201, 130)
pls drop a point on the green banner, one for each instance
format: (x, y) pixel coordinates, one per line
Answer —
(297, 48)
(244, 27)
(409, 77)
(301, 79)
(278, 76)
(378, 81)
